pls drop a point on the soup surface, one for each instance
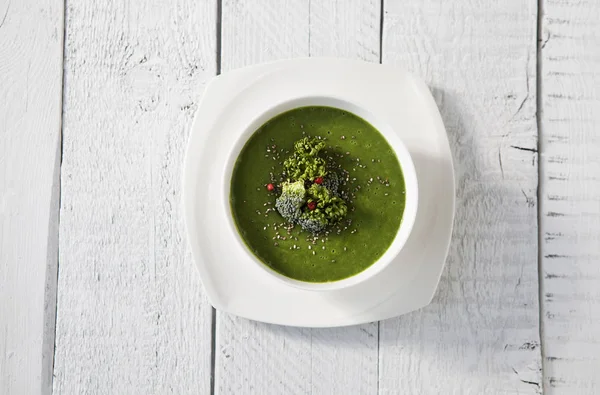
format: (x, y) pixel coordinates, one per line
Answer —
(372, 180)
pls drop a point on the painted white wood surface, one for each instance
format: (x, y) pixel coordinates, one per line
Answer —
(480, 335)
(259, 358)
(570, 193)
(31, 44)
(131, 315)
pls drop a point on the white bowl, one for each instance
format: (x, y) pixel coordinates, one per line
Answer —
(408, 170)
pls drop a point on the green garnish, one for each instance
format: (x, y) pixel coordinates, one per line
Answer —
(305, 164)
(310, 197)
(291, 200)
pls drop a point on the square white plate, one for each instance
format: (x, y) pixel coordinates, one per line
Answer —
(232, 282)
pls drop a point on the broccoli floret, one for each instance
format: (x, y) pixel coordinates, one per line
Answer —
(332, 207)
(304, 168)
(312, 225)
(291, 200)
(313, 200)
(329, 210)
(305, 163)
(309, 146)
(332, 183)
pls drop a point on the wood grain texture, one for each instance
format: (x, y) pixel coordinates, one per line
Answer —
(570, 210)
(131, 315)
(31, 41)
(267, 359)
(480, 334)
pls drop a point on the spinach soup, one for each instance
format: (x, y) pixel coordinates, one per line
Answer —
(317, 194)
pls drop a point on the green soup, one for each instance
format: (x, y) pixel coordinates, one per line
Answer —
(374, 180)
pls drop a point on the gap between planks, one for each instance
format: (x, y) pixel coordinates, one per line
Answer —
(218, 71)
(51, 315)
(381, 21)
(538, 120)
(213, 324)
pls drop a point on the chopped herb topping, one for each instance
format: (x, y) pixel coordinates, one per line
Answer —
(310, 197)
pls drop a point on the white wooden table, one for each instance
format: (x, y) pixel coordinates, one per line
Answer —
(98, 292)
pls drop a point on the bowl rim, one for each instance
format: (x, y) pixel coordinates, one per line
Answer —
(406, 164)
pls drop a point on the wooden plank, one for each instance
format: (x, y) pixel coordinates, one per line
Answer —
(570, 207)
(480, 335)
(259, 358)
(131, 315)
(31, 41)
